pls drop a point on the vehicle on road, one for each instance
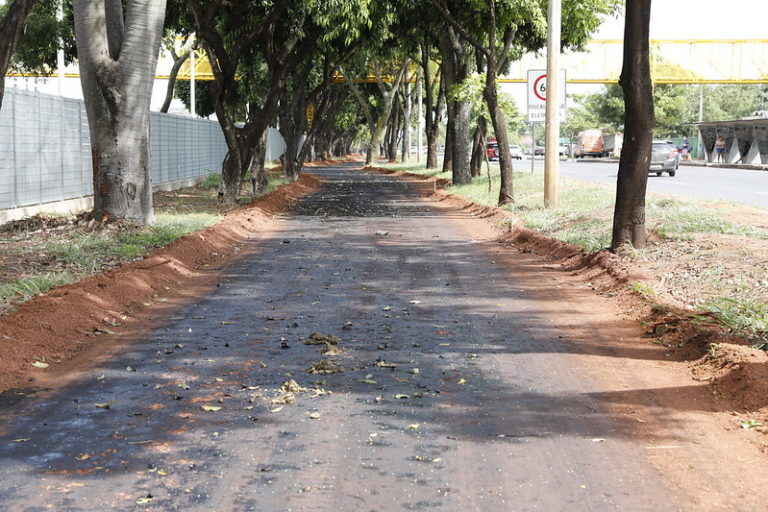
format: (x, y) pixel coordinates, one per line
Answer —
(589, 143)
(539, 150)
(612, 144)
(493, 153)
(664, 158)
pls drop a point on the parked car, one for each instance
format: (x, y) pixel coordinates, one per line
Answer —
(589, 143)
(516, 151)
(492, 151)
(664, 158)
(539, 150)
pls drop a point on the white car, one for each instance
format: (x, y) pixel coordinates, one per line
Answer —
(516, 151)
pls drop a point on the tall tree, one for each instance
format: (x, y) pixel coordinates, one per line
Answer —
(11, 30)
(117, 46)
(635, 80)
(501, 30)
(388, 75)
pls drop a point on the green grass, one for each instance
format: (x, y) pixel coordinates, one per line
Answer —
(211, 181)
(25, 289)
(86, 252)
(748, 317)
(584, 213)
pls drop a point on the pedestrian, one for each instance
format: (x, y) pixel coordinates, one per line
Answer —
(685, 148)
(720, 148)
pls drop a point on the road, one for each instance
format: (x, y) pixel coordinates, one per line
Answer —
(732, 185)
(461, 384)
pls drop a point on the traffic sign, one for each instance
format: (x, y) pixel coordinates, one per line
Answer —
(537, 95)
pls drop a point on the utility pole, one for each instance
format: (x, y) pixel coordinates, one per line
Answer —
(552, 136)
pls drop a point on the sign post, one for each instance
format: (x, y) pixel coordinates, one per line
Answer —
(539, 111)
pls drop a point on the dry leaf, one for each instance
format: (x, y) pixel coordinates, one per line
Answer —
(40, 364)
(401, 396)
(413, 426)
(210, 408)
(462, 380)
(83, 456)
(276, 409)
(314, 415)
(107, 405)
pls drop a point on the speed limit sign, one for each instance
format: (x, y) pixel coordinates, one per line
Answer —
(537, 95)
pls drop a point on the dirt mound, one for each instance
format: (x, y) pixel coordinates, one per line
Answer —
(54, 326)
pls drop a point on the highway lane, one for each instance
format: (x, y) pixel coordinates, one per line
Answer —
(749, 187)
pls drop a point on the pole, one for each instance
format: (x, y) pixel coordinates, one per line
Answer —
(192, 99)
(420, 123)
(700, 141)
(552, 136)
(533, 143)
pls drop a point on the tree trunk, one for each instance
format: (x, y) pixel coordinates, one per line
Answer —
(490, 94)
(407, 115)
(259, 179)
(457, 56)
(178, 61)
(433, 133)
(12, 27)
(118, 53)
(478, 147)
(462, 143)
(635, 80)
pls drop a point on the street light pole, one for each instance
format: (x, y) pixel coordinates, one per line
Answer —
(552, 136)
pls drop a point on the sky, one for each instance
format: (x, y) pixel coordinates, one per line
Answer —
(699, 19)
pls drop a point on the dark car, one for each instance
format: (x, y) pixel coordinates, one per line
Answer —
(664, 158)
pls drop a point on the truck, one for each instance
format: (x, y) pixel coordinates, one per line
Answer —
(612, 144)
(589, 143)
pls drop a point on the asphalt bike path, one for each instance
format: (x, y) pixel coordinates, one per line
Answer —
(373, 355)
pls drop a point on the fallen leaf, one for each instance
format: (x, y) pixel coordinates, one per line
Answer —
(107, 405)
(413, 426)
(597, 440)
(276, 409)
(40, 364)
(401, 396)
(145, 500)
(368, 381)
(20, 440)
(314, 415)
(129, 369)
(414, 302)
(462, 380)
(210, 408)
(83, 456)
